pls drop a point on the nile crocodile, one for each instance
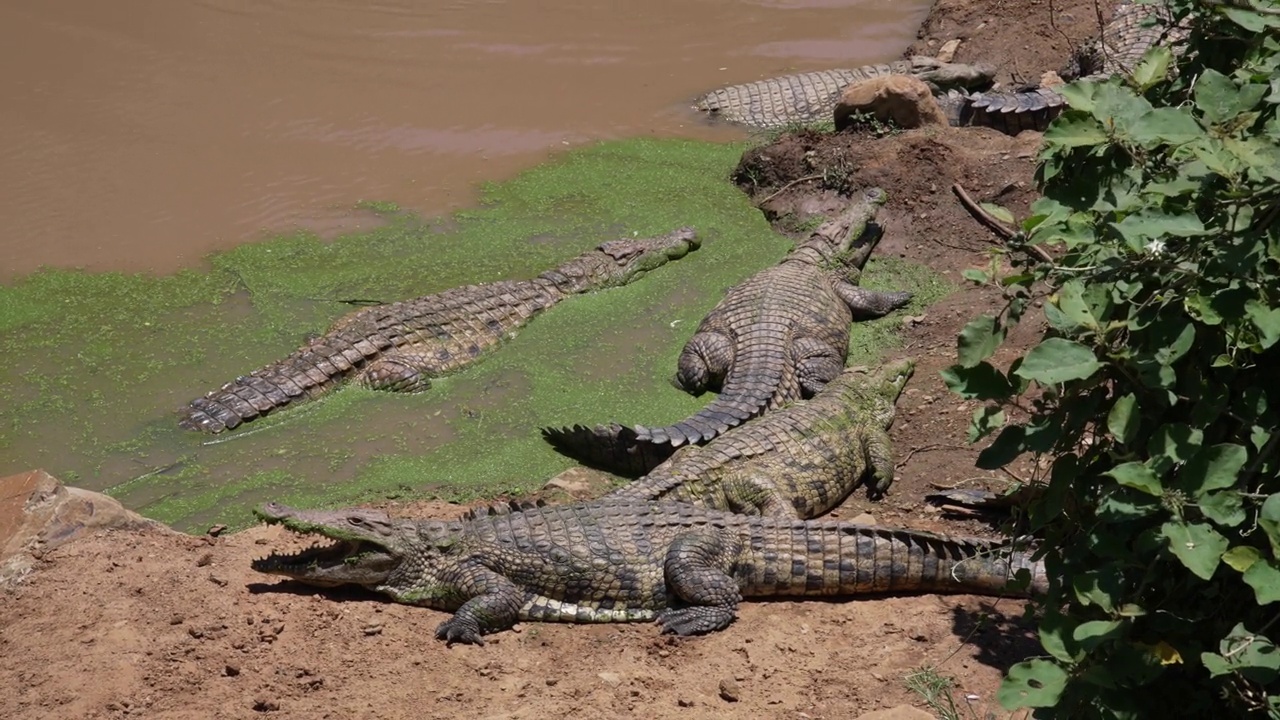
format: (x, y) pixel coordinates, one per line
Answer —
(401, 346)
(798, 462)
(1133, 29)
(959, 88)
(613, 561)
(783, 333)
(811, 96)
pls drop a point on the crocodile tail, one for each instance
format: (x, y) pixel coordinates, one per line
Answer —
(838, 558)
(1014, 112)
(309, 372)
(613, 448)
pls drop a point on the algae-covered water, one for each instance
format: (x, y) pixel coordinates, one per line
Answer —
(96, 366)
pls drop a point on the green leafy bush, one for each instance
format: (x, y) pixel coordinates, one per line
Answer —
(1153, 396)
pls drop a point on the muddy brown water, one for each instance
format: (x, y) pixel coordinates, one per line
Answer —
(143, 134)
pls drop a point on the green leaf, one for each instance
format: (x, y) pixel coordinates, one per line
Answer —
(1079, 95)
(975, 275)
(1249, 19)
(1095, 632)
(1032, 683)
(1166, 126)
(1241, 557)
(986, 420)
(1264, 578)
(1058, 360)
(1071, 130)
(1225, 508)
(1220, 100)
(1173, 443)
(978, 340)
(1118, 106)
(1070, 301)
(1000, 213)
(1122, 421)
(1137, 476)
(1055, 638)
(980, 382)
(1007, 446)
(1213, 468)
(1257, 154)
(1197, 545)
(1201, 308)
(1269, 521)
(1154, 67)
(1266, 320)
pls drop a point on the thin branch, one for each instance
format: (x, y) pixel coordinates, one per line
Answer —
(995, 225)
(788, 186)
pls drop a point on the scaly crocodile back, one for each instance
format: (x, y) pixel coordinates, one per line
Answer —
(458, 325)
(763, 316)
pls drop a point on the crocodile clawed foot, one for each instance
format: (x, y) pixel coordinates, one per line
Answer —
(695, 620)
(457, 630)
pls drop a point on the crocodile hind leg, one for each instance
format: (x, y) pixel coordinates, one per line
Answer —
(697, 572)
(704, 362)
(870, 304)
(817, 363)
(399, 371)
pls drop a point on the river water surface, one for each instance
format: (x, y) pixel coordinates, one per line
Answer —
(143, 134)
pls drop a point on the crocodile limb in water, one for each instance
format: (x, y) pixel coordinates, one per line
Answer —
(783, 333)
(611, 561)
(799, 462)
(811, 96)
(401, 346)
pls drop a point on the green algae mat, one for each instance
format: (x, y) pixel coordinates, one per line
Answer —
(96, 365)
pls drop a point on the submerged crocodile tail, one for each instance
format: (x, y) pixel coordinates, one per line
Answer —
(612, 448)
(833, 558)
(307, 373)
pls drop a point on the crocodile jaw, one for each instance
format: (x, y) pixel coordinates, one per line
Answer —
(355, 555)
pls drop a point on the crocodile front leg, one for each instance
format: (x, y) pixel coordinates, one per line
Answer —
(870, 304)
(697, 572)
(494, 604)
(817, 363)
(879, 454)
(704, 362)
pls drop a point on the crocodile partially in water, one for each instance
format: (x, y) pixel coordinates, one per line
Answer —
(799, 462)
(401, 346)
(616, 561)
(961, 90)
(783, 334)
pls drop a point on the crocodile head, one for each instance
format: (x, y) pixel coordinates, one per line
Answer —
(366, 546)
(618, 262)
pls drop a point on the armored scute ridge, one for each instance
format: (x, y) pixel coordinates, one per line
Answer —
(621, 561)
(401, 346)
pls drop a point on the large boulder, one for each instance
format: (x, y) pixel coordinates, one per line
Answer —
(904, 100)
(38, 513)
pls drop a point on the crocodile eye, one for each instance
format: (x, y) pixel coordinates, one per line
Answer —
(357, 521)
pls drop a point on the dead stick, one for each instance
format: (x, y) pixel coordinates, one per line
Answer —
(788, 186)
(995, 225)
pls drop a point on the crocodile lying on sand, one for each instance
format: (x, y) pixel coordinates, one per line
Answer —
(1132, 30)
(811, 96)
(612, 561)
(784, 333)
(798, 462)
(401, 346)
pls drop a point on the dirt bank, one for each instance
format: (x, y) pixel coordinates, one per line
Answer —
(145, 623)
